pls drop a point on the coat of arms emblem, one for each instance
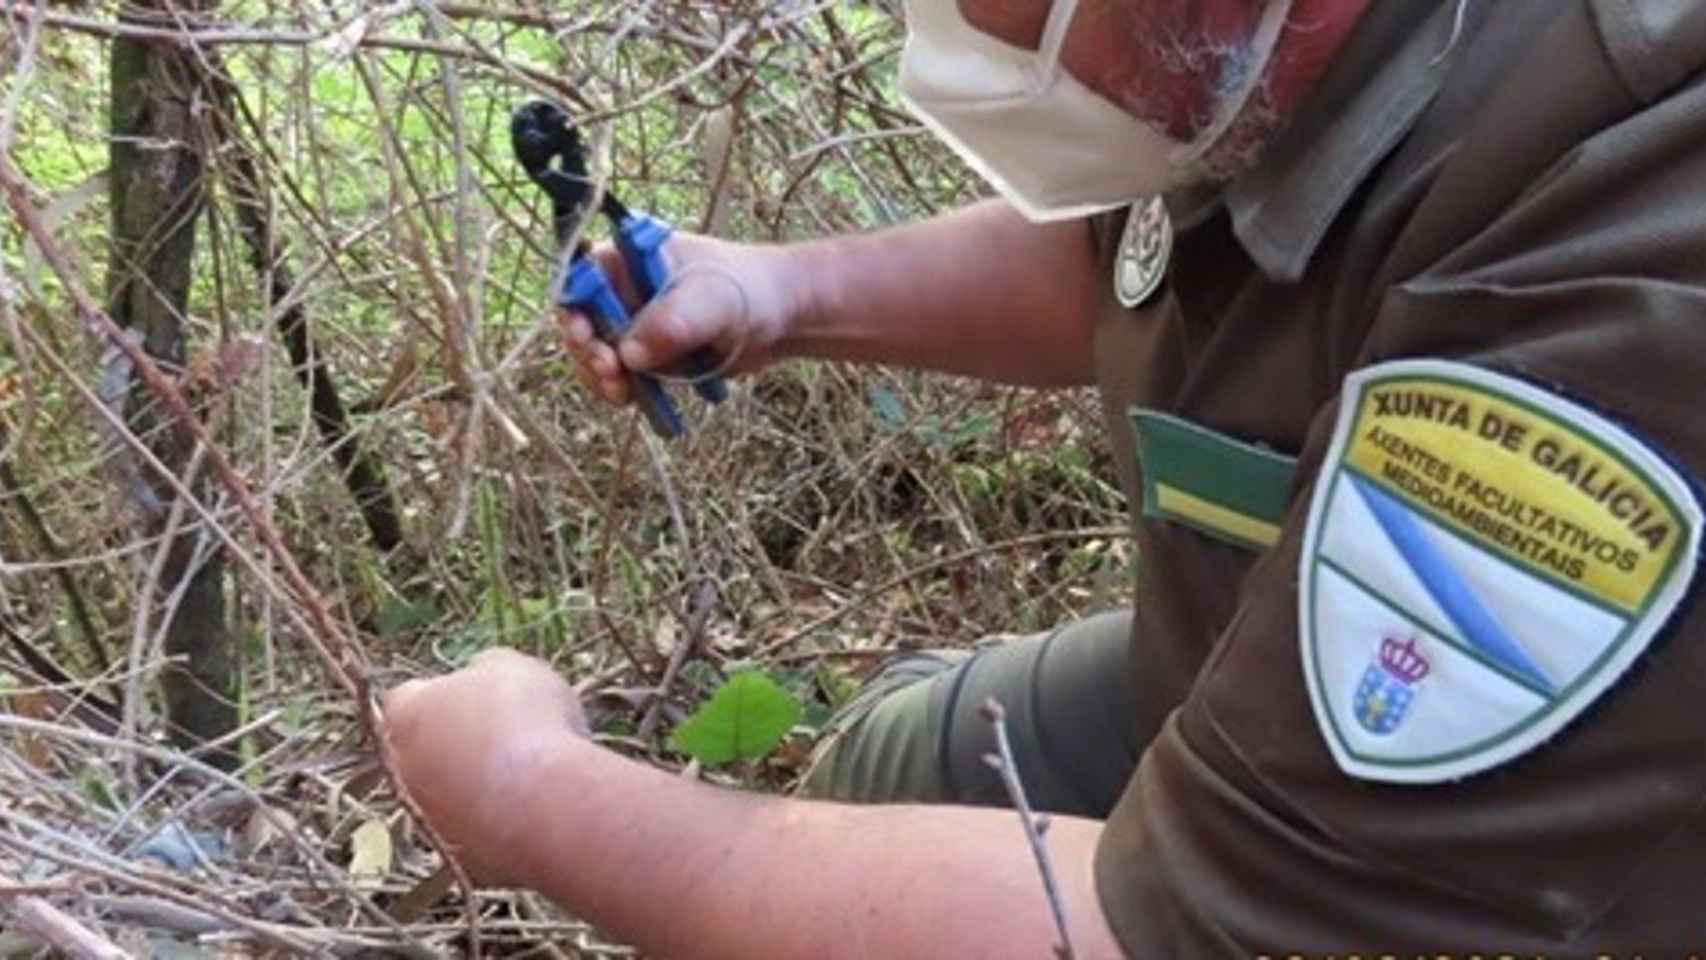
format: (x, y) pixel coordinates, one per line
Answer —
(1383, 695)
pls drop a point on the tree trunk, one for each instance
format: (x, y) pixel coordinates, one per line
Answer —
(157, 192)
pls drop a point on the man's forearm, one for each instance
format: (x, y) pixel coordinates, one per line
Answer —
(687, 870)
(981, 292)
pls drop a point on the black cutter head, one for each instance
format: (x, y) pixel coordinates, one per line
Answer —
(552, 152)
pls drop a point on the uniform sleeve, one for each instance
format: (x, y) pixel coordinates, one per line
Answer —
(1558, 245)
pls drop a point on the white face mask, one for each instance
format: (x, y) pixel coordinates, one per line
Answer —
(1052, 147)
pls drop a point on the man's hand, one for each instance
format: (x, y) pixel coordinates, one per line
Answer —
(979, 292)
(737, 299)
(468, 747)
(497, 758)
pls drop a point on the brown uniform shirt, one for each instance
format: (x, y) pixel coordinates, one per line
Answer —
(1514, 184)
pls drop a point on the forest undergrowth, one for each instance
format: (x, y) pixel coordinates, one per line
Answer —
(353, 188)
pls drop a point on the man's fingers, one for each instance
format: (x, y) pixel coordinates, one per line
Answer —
(493, 656)
(398, 697)
(575, 327)
(704, 308)
(611, 389)
(595, 361)
(603, 373)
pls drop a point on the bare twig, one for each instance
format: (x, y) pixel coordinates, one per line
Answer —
(342, 658)
(1035, 825)
(207, 37)
(924, 568)
(20, 77)
(337, 652)
(87, 860)
(54, 927)
(700, 602)
(56, 553)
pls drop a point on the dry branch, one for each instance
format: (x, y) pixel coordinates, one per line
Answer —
(53, 927)
(55, 552)
(213, 36)
(340, 656)
(362, 472)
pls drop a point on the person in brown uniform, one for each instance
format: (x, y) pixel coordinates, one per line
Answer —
(1400, 372)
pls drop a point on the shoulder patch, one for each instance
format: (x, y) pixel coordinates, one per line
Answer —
(1483, 559)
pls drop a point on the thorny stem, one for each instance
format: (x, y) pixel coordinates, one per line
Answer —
(1035, 824)
(343, 659)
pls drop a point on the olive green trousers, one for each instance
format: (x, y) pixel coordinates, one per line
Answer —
(915, 733)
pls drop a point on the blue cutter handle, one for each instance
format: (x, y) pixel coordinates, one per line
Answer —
(588, 290)
(640, 240)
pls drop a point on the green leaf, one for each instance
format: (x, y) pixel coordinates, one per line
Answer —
(745, 719)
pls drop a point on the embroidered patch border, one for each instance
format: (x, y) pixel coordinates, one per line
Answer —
(1483, 559)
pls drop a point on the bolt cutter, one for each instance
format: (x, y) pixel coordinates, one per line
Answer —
(550, 149)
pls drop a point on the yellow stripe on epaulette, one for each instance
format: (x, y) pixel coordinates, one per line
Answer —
(1216, 519)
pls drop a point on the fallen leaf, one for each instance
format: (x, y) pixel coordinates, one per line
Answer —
(261, 829)
(663, 637)
(34, 748)
(370, 850)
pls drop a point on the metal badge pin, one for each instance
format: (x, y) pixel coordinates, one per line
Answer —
(1145, 250)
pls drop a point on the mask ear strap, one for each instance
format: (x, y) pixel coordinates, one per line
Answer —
(1054, 37)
